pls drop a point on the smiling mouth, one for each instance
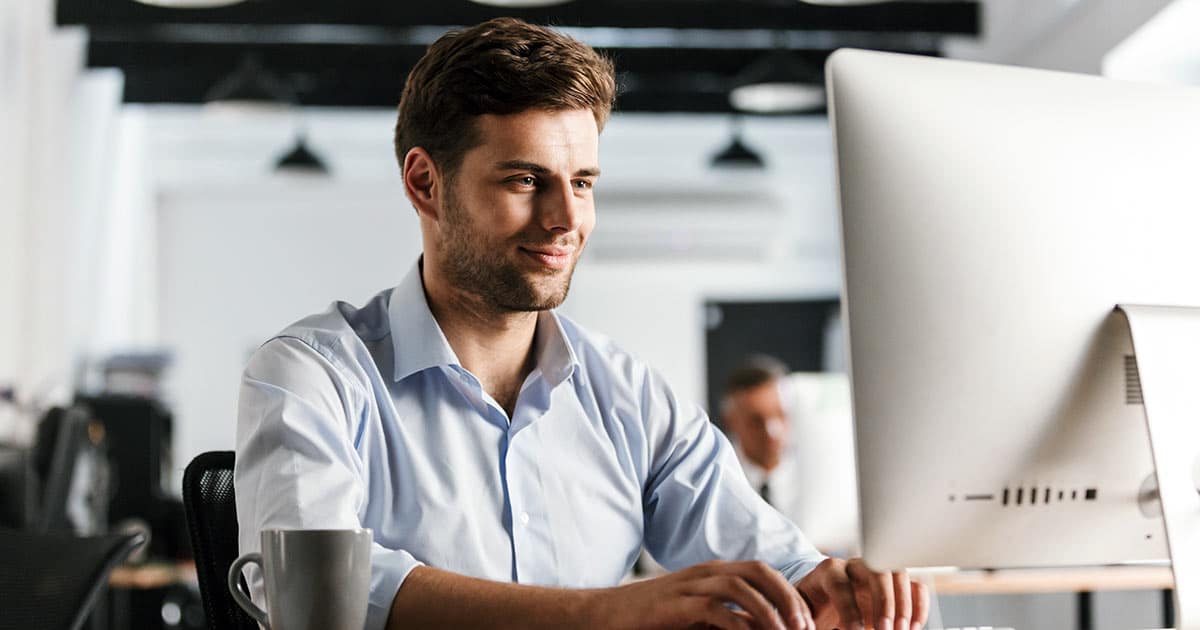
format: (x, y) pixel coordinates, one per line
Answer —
(556, 258)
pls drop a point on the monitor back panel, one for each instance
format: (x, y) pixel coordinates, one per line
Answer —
(991, 219)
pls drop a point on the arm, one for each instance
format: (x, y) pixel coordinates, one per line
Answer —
(431, 598)
(296, 461)
(699, 505)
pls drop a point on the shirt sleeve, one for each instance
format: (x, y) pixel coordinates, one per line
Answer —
(297, 467)
(698, 505)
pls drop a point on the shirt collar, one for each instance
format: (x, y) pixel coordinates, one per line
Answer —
(418, 342)
(754, 473)
(555, 356)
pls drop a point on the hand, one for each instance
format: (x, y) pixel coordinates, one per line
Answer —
(849, 596)
(698, 596)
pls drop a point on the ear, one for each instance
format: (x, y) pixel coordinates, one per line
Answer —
(422, 182)
(729, 416)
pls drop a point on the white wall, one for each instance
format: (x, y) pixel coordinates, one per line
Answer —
(237, 265)
(1068, 35)
(243, 252)
(56, 129)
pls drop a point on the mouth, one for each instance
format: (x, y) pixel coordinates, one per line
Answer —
(556, 258)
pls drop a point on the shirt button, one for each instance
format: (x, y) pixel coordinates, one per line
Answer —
(524, 518)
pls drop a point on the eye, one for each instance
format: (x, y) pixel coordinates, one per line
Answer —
(524, 181)
(583, 184)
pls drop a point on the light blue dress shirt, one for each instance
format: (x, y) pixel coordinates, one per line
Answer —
(364, 417)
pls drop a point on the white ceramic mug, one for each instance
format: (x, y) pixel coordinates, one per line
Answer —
(314, 578)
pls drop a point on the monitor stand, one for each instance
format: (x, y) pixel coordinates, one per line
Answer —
(1166, 344)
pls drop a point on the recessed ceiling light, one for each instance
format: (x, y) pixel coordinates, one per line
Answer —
(190, 4)
(843, 2)
(777, 83)
(777, 98)
(520, 4)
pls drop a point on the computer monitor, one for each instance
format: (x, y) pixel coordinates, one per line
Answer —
(991, 220)
(822, 501)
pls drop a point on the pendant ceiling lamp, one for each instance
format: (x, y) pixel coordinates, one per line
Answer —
(737, 154)
(301, 160)
(251, 87)
(777, 83)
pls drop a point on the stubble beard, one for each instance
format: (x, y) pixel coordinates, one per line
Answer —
(478, 267)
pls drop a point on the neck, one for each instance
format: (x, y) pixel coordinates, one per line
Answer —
(746, 457)
(495, 345)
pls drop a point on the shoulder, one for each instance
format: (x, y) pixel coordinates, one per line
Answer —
(608, 367)
(338, 337)
(599, 354)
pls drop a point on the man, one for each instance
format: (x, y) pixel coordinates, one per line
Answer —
(511, 464)
(752, 411)
(808, 477)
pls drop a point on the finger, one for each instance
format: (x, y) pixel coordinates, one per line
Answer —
(921, 605)
(904, 605)
(732, 588)
(874, 593)
(778, 590)
(841, 595)
(718, 615)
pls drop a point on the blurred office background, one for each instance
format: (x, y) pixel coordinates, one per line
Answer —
(180, 183)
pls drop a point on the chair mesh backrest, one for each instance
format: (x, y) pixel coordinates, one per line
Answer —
(51, 580)
(212, 522)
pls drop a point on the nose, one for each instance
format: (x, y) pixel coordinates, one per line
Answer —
(561, 211)
(776, 428)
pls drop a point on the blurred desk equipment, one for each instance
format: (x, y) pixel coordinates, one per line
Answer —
(52, 581)
(208, 497)
(991, 222)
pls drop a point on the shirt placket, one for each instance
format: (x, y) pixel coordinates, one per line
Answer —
(534, 559)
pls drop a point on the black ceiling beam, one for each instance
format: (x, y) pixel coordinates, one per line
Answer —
(945, 17)
(652, 79)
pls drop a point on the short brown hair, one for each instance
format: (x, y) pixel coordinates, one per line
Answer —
(502, 66)
(755, 370)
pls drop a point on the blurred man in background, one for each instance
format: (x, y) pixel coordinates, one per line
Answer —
(793, 434)
(753, 413)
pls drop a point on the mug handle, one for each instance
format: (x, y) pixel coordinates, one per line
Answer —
(240, 597)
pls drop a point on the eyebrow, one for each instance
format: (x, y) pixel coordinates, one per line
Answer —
(533, 167)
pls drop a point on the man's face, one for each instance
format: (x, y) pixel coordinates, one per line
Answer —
(517, 214)
(756, 417)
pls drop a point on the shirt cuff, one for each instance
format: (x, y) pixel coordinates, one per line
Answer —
(796, 571)
(388, 571)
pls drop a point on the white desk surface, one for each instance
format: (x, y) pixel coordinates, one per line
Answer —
(1010, 581)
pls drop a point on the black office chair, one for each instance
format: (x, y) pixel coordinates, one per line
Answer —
(52, 580)
(208, 500)
(70, 458)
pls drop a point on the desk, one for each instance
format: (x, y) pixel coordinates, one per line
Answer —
(138, 594)
(1012, 581)
(152, 575)
(1083, 581)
